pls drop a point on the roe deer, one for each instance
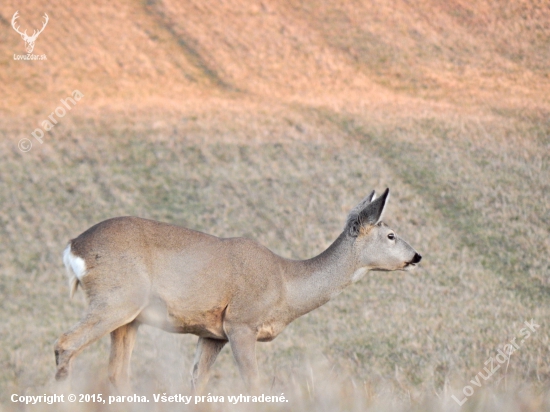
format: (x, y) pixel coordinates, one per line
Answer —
(234, 290)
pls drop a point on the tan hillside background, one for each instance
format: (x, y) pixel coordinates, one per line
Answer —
(271, 120)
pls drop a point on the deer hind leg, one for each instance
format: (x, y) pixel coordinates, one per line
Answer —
(205, 356)
(101, 318)
(122, 345)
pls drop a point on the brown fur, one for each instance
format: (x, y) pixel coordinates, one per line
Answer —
(365, 230)
(180, 280)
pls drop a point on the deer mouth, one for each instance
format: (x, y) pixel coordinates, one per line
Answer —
(412, 263)
(409, 266)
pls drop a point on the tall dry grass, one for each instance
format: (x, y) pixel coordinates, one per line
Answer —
(405, 338)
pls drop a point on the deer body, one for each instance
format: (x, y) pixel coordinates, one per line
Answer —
(136, 271)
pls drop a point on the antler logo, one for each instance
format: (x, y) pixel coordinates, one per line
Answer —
(29, 40)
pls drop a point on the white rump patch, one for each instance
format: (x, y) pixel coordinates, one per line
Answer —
(358, 274)
(74, 263)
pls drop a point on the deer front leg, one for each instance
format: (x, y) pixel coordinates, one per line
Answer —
(243, 346)
(205, 356)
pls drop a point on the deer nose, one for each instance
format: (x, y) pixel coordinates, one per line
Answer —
(417, 258)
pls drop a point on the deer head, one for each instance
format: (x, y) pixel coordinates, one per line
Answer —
(29, 40)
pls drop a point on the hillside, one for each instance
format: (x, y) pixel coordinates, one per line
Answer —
(493, 55)
(270, 120)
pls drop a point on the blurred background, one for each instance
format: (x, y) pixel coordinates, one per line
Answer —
(272, 119)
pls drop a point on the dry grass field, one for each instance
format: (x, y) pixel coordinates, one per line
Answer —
(271, 119)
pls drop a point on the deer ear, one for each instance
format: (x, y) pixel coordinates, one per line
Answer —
(353, 224)
(371, 197)
(373, 213)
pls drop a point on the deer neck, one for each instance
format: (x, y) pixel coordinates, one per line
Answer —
(313, 282)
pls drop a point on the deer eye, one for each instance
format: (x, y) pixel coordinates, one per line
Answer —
(391, 236)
